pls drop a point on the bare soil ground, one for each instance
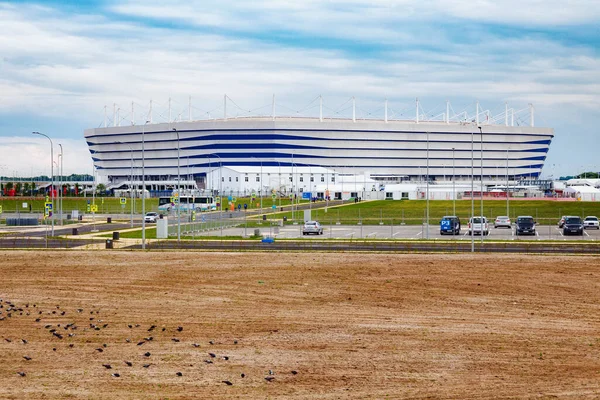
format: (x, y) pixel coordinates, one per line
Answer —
(350, 325)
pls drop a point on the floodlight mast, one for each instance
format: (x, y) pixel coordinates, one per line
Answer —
(52, 175)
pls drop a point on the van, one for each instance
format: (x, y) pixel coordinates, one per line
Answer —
(450, 225)
(479, 226)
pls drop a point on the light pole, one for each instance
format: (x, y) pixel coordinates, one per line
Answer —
(131, 183)
(507, 209)
(453, 185)
(60, 195)
(178, 190)
(143, 191)
(427, 190)
(481, 175)
(52, 175)
(472, 189)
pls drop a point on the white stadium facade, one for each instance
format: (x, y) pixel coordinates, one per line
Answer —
(384, 151)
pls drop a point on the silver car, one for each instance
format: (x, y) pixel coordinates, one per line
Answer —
(312, 227)
(502, 221)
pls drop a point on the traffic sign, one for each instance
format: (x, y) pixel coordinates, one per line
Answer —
(273, 206)
(245, 207)
(230, 198)
(239, 206)
(274, 196)
(123, 200)
(234, 200)
(193, 215)
(94, 208)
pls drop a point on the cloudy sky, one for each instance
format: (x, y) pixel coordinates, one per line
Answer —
(62, 62)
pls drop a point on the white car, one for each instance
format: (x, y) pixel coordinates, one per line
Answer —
(478, 226)
(591, 222)
(151, 217)
(502, 221)
(312, 227)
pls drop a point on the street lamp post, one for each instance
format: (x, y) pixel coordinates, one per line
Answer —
(453, 185)
(507, 209)
(178, 190)
(52, 175)
(143, 191)
(131, 183)
(427, 190)
(481, 175)
(472, 189)
(60, 177)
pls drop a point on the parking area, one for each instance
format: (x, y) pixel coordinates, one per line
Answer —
(543, 232)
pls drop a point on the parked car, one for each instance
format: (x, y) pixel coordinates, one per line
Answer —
(450, 225)
(312, 227)
(561, 223)
(502, 222)
(479, 226)
(525, 226)
(591, 222)
(573, 225)
(151, 217)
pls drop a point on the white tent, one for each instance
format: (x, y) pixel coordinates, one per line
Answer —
(583, 193)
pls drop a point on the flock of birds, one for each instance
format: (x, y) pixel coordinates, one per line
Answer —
(61, 331)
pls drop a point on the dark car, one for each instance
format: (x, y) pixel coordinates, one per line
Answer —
(573, 226)
(525, 226)
(450, 225)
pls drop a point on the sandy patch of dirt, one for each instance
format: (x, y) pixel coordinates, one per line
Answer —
(351, 325)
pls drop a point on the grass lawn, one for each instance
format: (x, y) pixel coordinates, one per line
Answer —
(413, 211)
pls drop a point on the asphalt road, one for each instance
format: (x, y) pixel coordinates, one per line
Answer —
(543, 232)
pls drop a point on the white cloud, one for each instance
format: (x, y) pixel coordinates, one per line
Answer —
(71, 66)
(27, 156)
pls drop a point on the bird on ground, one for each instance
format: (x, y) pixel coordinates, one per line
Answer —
(129, 363)
(243, 375)
(208, 361)
(271, 372)
(179, 328)
(212, 355)
(140, 343)
(38, 319)
(211, 342)
(195, 345)
(8, 340)
(27, 358)
(228, 383)
(116, 375)
(269, 378)
(24, 341)
(128, 340)
(179, 374)
(226, 358)
(147, 354)
(146, 365)
(294, 372)
(235, 342)
(130, 326)
(107, 366)
(175, 340)
(149, 338)
(99, 349)
(58, 335)
(71, 345)
(151, 328)
(21, 373)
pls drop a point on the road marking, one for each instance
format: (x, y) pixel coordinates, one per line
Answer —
(586, 234)
(397, 233)
(419, 234)
(351, 233)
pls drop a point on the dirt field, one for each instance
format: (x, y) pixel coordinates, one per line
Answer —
(349, 325)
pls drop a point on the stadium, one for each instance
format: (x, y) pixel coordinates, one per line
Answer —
(382, 150)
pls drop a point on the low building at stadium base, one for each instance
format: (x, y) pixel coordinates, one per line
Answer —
(287, 152)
